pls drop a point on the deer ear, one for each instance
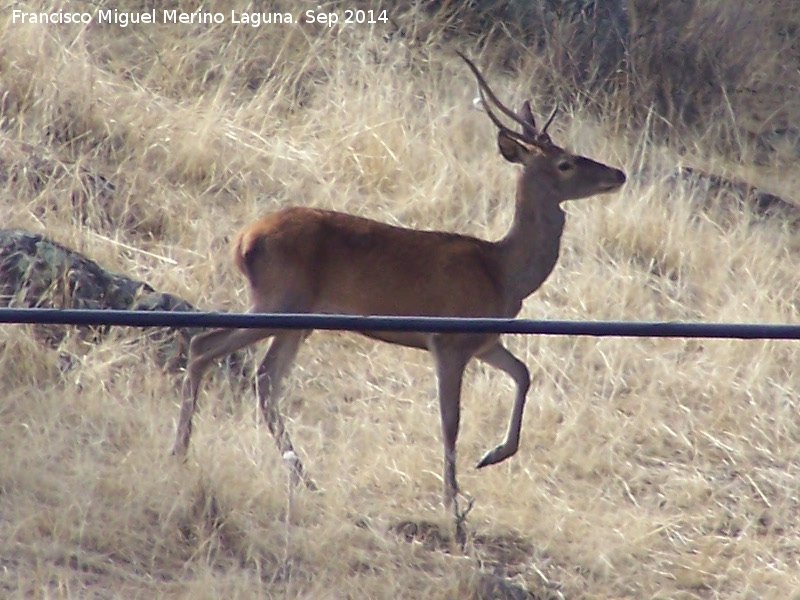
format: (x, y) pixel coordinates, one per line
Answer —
(511, 149)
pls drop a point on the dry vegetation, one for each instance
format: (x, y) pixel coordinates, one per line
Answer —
(648, 468)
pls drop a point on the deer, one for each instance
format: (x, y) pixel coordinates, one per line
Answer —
(307, 260)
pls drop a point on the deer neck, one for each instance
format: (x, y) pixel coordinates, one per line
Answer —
(529, 250)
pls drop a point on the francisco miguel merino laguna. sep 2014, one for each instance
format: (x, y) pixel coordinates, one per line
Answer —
(254, 19)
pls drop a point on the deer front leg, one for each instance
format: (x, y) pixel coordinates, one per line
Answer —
(498, 356)
(450, 363)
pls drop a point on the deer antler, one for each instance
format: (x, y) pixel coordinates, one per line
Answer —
(530, 133)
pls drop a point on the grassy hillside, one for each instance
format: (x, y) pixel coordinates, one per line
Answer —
(648, 468)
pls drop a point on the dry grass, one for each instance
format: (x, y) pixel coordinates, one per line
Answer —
(648, 469)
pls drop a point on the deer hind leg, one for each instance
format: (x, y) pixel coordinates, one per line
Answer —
(203, 350)
(498, 356)
(271, 371)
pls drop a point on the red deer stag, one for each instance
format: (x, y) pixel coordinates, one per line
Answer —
(303, 260)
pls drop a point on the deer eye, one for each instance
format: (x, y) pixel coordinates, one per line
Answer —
(564, 166)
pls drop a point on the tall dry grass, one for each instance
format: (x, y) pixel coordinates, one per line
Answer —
(648, 468)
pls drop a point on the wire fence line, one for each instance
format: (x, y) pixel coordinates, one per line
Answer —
(657, 329)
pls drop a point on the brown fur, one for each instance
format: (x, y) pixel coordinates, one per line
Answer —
(327, 259)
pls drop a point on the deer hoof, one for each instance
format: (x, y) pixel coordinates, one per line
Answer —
(495, 455)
